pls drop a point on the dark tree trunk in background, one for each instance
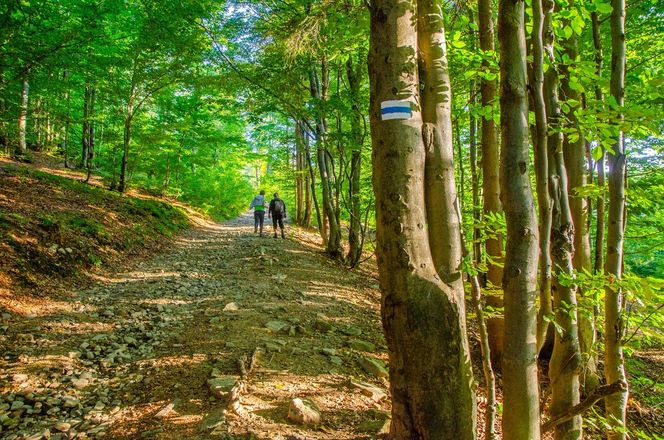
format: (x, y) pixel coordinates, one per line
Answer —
(490, 183)
(354, 73)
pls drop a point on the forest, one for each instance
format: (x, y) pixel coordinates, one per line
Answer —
(496, 165)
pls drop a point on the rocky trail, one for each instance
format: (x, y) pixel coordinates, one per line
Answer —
(223, 335)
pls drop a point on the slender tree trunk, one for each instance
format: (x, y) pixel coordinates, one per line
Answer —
(614, 364)
(462, 173)
(122, 184)
(489, 376)
(430, 375)
(23, 117)
(601, 180)
(91, 135)
(565, 360)
(477, 213)
(309, 184)
(354, 76)
(85, 131)
(491, 185)
(544, 202)
(575, 162)
(299, 175)
(318, 93)
(312, 181)
(65, 134)
(520, 384)
(439, 185)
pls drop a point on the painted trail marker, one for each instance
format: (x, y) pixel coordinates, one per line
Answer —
(395, 110)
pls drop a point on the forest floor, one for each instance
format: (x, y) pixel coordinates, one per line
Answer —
(153, 352)
(209, 332)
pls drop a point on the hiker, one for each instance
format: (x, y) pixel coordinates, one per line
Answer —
(278, 213)
(258, 205)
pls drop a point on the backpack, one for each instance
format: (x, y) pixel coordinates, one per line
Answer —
(278, 207)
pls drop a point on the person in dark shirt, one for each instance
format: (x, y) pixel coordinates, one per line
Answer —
(278, 213)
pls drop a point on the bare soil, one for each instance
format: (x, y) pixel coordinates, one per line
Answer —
(137, 341)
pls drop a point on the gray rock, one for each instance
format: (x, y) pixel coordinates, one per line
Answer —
(351, 330)
(375, 367)
(221, 386)
(359, 345)
(376, 394)
(328, 351)
(304, 412)
(277, 326)
(62, 426)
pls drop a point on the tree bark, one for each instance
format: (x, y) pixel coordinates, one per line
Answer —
(575, 163)
(439, 186)
(430, 372)
(491, 184)
(318, 93)
(354, 75)
(299, 175)
(565, 360)
(23, 117)
(601, 177)
(544, 202)
(520, 384)
(614, 364)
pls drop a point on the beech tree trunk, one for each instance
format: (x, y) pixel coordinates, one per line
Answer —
(491, 184)
(423, 319)
(333, 243)
(565, 360)
(299, 174)
(122, 184)
(575, 163)
(614, 364)
(601, 178)
(544, 202)
(354, 75)
(439, 185)
(23, 117)
(520, 384)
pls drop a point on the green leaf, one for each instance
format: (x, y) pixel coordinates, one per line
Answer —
(597, 152)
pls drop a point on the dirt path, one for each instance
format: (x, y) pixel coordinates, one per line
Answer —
(154, 352)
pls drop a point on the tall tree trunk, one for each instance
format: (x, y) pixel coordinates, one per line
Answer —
(122, 184)
(601, 179)
(520, 384)
(575, 162)
(65, 134)
(23, 117)
(318, 93)
(354, 76)
(91, 135)
(299, 174)
(85, 131)
(439, 185)
(309, 183)
(430, 375)
(312, 181)
(544, 202)
(614, 364)
(477, 213)
(490, 184)
(565, 360)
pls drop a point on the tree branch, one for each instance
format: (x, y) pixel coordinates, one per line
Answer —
(600, 393)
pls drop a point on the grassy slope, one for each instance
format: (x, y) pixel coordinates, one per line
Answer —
(55, 229)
